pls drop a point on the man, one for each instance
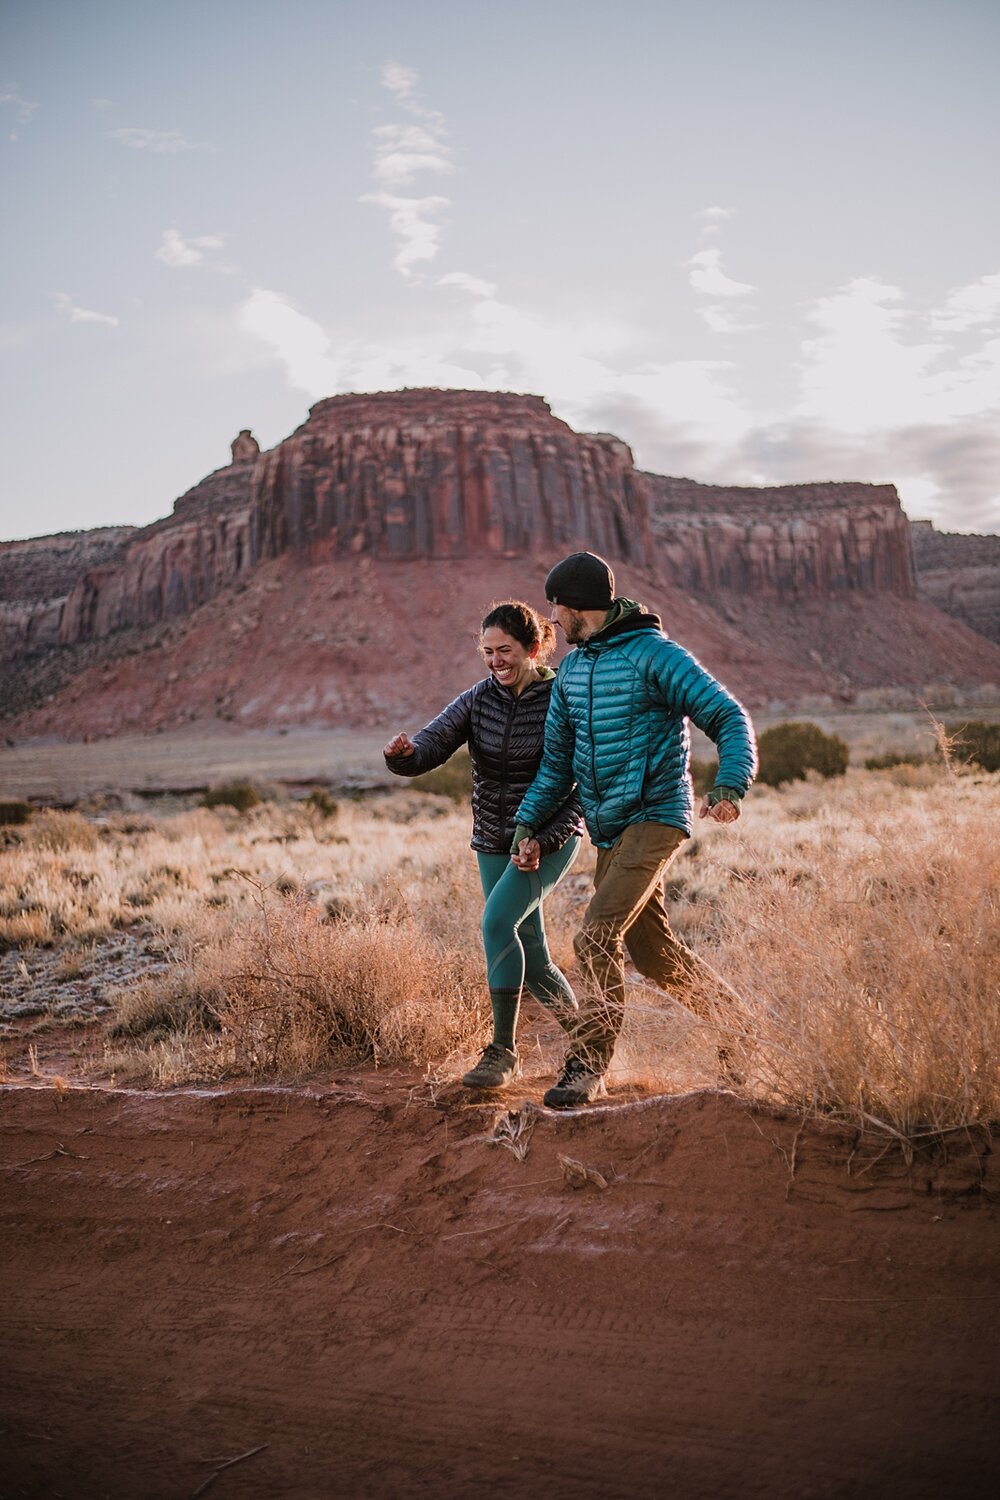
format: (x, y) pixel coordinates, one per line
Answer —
(616, 726)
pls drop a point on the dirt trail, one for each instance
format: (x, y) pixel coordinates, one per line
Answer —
(359, 1284)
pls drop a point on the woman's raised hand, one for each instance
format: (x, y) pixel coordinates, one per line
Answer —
(401, 745)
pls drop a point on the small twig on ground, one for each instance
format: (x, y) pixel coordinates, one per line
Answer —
(227, 1464)
(59, 1151)
(577, 1174)
(288, 1272)
(487, 1229)
(322, 1265)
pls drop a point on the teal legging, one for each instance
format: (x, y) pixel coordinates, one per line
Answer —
(517, 954)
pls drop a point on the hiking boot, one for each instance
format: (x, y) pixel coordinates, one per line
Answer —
(494, 1070)
(578, 1083)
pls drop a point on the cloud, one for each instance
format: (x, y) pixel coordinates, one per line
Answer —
(160, 142)
(402, 151)
(64, 304)
(399, 81)
(708, 277)
(414, 224)
(299, 343)
(722, 319)
(882, 393)
(712, 220)
(970, 306)
(861, 373)
(176, 251)
(471, 284)
(23, 108)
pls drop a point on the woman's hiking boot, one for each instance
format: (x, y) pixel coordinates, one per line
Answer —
(578, 1083)
(494, 1070)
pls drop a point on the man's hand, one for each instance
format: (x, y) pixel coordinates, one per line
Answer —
(528, 855)
(722, 812)
(398, 747)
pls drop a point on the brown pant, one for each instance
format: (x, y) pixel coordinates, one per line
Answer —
(628, 911)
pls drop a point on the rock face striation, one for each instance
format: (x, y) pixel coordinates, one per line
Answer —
(960, 575)
(447, 474)
(399, 475)
(37, 576)
(278, 589)
(781, 542)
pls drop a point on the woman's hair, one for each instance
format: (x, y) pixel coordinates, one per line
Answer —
(524, 625)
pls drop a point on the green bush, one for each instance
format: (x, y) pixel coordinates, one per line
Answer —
(788, 751)
(895, 758)
(978, 743)
(321, 801)
(15, 812)
(453, 779)
(239, 794)
(703, 774)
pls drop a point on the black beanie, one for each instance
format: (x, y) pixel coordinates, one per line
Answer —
(581, 581)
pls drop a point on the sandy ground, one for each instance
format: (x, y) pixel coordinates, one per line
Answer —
(366, 1290)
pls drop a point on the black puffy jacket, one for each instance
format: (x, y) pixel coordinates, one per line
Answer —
(505, 735)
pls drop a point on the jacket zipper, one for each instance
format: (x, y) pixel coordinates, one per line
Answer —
(503, 765)
(590, 731)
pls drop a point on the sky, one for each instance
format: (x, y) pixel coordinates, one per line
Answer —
(758, 239)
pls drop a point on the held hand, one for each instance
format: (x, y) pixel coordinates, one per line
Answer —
(528, 856)
(722, 812)
(401, 745)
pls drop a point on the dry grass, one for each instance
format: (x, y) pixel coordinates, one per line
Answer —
(857, 919)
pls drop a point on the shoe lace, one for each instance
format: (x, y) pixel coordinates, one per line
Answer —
(491, 1053)
(573, 1069)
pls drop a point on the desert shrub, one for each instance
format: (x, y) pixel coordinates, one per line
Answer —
(320, 801)
(15, 812)
(159, 1006)
(242, 795)
(869, 990)
(893, 758)
(453, 779)
(703, 774)
(59, 832)
(377, 986)
(978, 743)
(788, 751)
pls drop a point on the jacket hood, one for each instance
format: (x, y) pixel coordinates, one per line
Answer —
(624, 618)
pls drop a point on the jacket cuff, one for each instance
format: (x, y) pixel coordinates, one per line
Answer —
(724, 794)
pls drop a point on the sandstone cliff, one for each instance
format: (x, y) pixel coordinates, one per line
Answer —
(403, 475)
(443, 474)
(279, 588)
(782, 541)
(960, 575)
(37, 576)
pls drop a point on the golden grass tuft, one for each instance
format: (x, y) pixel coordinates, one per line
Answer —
(858, 921)
(868, 961)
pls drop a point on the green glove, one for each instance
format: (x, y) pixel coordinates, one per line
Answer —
(724, 794)
(522, 831)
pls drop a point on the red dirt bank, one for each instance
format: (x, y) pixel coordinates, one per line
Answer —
(394, 1307)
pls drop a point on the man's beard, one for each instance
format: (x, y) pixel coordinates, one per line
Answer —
(576, 630)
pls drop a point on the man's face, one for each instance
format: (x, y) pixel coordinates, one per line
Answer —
(571, 622)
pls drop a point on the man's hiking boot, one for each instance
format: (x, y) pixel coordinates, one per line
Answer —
(494, 1070)
(578, 1083)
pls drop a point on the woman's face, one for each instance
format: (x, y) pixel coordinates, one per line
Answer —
(510, 663)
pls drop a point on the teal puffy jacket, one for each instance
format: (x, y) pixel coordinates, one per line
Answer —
(617, 726)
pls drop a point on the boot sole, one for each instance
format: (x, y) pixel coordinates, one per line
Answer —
(575, 1101)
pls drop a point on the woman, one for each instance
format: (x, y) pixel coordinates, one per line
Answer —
(502, 719)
